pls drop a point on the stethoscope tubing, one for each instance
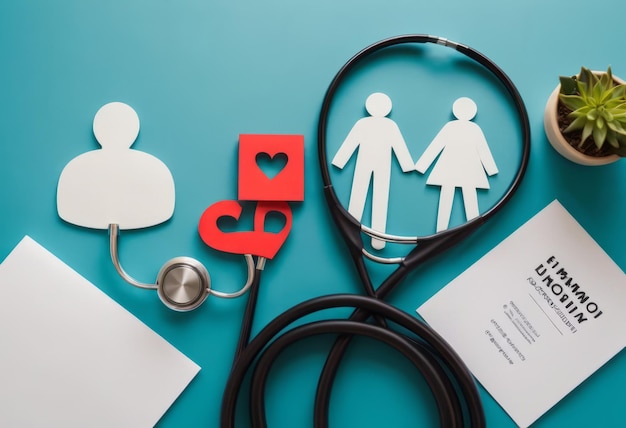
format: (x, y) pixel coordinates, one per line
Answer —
(432, 368)
(428, 246)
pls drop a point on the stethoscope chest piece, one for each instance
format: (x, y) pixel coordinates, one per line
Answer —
(183, 284)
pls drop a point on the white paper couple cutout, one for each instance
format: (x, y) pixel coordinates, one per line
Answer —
(464, 161)
(115, 184)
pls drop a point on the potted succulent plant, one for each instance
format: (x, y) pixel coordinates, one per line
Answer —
(585, 117)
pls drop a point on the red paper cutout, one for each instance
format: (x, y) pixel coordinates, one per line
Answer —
(257, 242)
(287, 184)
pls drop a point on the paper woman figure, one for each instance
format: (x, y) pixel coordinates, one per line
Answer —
(376, 138)
(115, 184)
(464, 160)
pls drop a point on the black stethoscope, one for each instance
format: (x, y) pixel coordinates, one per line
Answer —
(450, 381)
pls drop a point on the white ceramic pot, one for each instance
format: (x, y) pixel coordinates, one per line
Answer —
(559, 143)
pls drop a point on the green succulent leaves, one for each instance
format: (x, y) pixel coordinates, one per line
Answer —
(598, 107)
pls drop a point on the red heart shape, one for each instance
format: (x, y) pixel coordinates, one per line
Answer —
(257, 242)
(271, 164)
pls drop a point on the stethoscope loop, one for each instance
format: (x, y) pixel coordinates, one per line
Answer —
(183, 283)
(342, 216)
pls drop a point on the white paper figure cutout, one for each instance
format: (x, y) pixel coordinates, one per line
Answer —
(115, 184)
(376, 137)
(464, 159)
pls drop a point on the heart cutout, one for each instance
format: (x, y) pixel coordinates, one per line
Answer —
(274, 221)
(259, 242)
(234, 219)
(271, 165)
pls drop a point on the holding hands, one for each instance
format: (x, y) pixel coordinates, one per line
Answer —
(463, 160)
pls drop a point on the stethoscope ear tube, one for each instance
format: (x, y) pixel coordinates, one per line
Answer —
(348, 227)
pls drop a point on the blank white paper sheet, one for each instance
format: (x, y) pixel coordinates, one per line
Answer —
(72, 357)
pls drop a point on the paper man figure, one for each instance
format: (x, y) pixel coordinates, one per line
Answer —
(464, 159)
(115, 184)
(376, 137)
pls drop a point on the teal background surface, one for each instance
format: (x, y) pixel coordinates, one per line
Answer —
(200, 73)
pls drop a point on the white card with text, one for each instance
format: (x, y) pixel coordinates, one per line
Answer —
(72, 357)
(536, 315)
